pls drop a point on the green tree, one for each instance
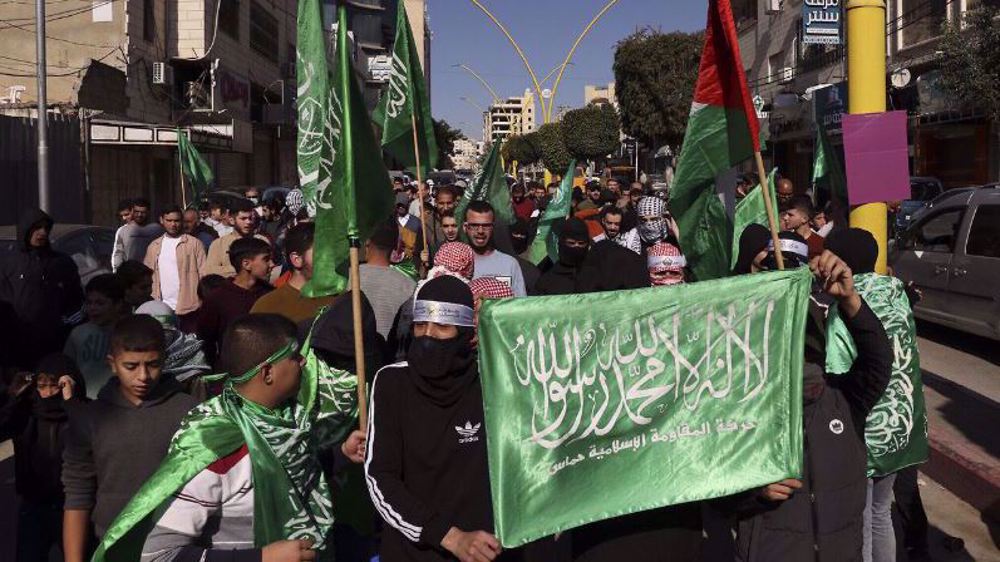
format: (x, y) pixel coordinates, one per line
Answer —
(522, 148)
(445, 137)
(591, 133)
(655, 74)
(970, 60)
(553, 150)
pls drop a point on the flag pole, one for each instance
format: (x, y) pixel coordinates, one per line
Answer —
(180, 169)
(772, 221)
(420, 181)
(359, 345)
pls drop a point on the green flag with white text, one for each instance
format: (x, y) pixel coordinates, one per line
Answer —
(604, 404)
(546, 243)
(351, 190)
(490, 186)
(404, 98)
(197, 171)
(752, 210)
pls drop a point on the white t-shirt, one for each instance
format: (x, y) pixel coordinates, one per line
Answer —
(170, 279)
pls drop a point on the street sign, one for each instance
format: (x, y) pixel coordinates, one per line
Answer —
(821, 22)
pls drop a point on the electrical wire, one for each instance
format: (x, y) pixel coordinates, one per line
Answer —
(65, 14)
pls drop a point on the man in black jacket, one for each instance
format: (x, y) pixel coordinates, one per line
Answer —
(43, 288)
(574, 242)
(426, 454)
(819, 516)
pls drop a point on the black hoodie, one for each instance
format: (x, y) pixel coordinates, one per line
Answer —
(43, 288)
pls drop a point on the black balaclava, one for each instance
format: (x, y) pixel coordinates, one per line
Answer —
(443, 369)
(572, 229)
(856, 247)
(520, 236)
(753, 241)
(56, 365)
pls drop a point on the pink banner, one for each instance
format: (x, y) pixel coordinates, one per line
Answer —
(876, 157)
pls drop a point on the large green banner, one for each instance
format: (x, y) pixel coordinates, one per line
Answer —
(605, 404)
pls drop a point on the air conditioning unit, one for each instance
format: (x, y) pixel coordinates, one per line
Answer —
(163, 74)
(772, 6)
(786, 75)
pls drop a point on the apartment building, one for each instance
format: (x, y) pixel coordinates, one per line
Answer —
(512, 116)
(786, 67)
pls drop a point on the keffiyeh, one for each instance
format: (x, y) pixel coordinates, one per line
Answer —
(490, 288)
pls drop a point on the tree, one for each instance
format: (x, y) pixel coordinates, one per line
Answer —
(522, 148)
(553, 150)
(655, 74)
(445, 137)
(591, 133)
(970, 60)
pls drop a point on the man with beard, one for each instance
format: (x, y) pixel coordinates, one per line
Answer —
(490, 262)
(574, 243)
(194, 227)
(612, 219)
(524, 206)
(218, 261)
(427, 416)
(132, 239)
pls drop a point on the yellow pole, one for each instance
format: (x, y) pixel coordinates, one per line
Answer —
(569, 56)
(493, 92)
(866, 94)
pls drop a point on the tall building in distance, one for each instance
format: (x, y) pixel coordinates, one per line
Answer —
(512, 116)
(465, 154)
(600, 95)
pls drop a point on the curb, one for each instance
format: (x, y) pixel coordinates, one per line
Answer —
(975, 483)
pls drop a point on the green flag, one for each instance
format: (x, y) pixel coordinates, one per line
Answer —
(652, 397)
(751, 210)
(896, 428)
(490, 186)
(829, 183)
(546, 242)
(197, 171)
(405, 98)
(352, 192)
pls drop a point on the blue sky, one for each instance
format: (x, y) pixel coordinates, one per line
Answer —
(545, 30)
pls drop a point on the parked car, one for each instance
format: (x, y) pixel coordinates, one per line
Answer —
(90, 246)
(922, 192)
(951, 252)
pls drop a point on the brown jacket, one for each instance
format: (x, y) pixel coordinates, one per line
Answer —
(218, 255)
(190, 265)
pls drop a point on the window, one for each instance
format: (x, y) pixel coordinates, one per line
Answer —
(263, 32)
(984, 235)
(149, 20)
(937, 233)
(919, 20)
(229, 18)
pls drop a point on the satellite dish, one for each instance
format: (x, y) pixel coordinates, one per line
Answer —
(901, 78)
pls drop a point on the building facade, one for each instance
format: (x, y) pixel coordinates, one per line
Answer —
(465, 154)
(955, 144)
(512, 116)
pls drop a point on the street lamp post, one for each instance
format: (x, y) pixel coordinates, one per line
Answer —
(467, 68)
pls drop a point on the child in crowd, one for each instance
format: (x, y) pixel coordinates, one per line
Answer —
(34, 414)
(87, 345)
(137, 283)
(116, 442)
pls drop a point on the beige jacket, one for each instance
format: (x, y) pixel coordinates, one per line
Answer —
(190, 264)
(218, 255)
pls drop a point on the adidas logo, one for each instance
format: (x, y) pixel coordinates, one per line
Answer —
(469, 433)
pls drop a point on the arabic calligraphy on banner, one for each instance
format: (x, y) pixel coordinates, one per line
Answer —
(821, 22)
(655, 397)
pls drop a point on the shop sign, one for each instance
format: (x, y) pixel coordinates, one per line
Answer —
(829, 105)
(821, 22)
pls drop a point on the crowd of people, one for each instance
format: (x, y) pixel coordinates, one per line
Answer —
(191, 357)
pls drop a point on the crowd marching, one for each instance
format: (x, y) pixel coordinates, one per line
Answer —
(193, 404)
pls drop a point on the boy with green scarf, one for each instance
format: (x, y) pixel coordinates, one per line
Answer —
(242, 480)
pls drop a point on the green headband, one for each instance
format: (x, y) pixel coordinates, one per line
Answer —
(280, 355)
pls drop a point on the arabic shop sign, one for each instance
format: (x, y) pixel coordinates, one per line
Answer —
(821, 22)
(652, 397)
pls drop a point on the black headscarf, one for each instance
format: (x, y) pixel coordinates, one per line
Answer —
(443, 369)
(333, 335)
(753, 241)
(856, 247)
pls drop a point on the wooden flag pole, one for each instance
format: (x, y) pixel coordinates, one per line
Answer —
(180, 170)
(420, 183)
(772, 221)
(359, 344)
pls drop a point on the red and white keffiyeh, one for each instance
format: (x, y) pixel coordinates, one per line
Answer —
(454, 258)
(490, 288)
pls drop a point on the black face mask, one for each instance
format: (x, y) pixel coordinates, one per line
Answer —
(572, 257)
(519, 243)
(442, 367)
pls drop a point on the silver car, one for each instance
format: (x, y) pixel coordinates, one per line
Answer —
(951, 252)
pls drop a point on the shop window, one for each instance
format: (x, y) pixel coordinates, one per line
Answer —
(229, 18)
(263, 32)
(984, 235)
(919, 20)
(937, 233)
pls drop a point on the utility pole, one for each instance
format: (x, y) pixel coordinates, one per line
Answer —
(866, 94)
(43, 117)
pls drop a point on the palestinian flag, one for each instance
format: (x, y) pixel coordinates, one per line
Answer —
(722, 131)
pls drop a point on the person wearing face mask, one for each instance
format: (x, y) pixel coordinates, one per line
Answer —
(752, 249)
(574, 242)
(666, 264)
(520, 239)
(425, 461)
(655, 223)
